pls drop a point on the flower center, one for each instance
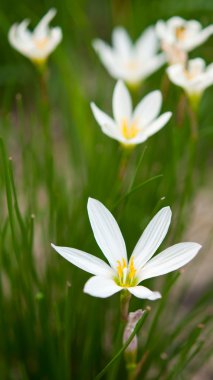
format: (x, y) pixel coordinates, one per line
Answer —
(129, 131)
(41, 43)
(180, 33)
(126, 273)
(132, 65)
(193, 73)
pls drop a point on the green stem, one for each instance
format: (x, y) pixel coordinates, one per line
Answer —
(193, 121)
(124, 304)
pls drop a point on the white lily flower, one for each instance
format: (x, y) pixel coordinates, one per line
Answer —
(182, 34)
(193, 78)
(127, 61)
(36, 45)
(128, 127)
(120, 273)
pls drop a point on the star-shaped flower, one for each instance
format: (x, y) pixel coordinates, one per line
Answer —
(122, 273)
(127, 61)
(128, 127)
(194, 77)
(36, 45)
(184, 34)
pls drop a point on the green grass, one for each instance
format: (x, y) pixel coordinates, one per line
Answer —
(53, 156)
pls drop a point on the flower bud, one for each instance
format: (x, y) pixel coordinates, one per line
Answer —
(131, 350)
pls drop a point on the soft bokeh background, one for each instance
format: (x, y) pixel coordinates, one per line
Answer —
(58, 157)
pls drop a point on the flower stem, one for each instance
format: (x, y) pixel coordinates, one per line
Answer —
(124, 304)
(132, 371)
(193, 113)
(193, 121)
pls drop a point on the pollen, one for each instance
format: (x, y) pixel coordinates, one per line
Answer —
(129, 131)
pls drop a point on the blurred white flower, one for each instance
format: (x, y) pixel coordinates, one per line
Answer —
(127, 61)
(194, 77)
(121, 273)
(182, 34)
(36, 45)
(129, 127)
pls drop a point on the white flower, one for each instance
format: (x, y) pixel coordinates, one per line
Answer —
(130, 127)
(36, 45)
(120, 273)
(178, 36)
(193, 78)
(129, 62)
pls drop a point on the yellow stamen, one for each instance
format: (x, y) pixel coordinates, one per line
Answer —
(126, 274)
(129, 131)
(180, 33)
(120, 267)
(132, 269)
(124, 263)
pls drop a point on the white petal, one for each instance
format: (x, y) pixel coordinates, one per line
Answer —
(141, 137)
(197, 64)
(114, 133)
(152, 237)
(147, 44)
(176, 75)
(121, 103)
(144, 293)
(162, 31)
(101, 117)
(85, 261)
(157, 124)
(209, 68)
(169, 260)
(107, 232)
(121, 42)
(148, 108)
(176, 22)
(107, 57)
(55, 36)
(153, 64)
(101, 287)
(107, 124)
(42, 28)
(19, 37)
(199, 38)
(22, 32)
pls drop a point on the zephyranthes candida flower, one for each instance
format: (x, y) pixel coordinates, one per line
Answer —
(129, 127)
(127, 61)
(122, 273)
(36, 45)
(194, 77)
(179, 36)
(182, 34)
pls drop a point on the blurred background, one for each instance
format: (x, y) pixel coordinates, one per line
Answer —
(53, 156)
